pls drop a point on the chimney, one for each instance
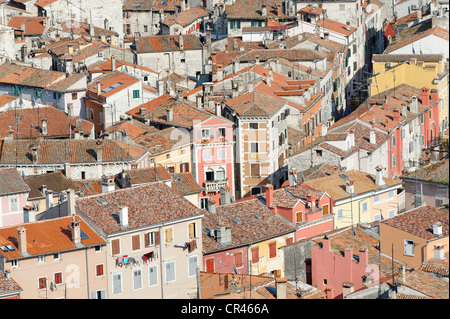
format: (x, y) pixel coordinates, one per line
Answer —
(123, 215)
(349, 187)
(348, 253)
(142, 111)
(426, 96)
(347, 26)
(386, 106)
(326, 244)
(24, 53)
(22, 239)
(223, 234)
(311, 199)
(10, 134)
(181, 42)
(434, 95)
(225, 196)
(439, 252)
(218, 109)
(99, 150)
(402, 274)
(351, 137)
(76, 231)
(8, 274)
(264, 10)
(404, 112)
(48, 199)
(281, 292)
(347, 288)
(269, 195)
(413, 106)
(71, 201)
(44, 126)
(373, 137)
(379, 176)
(183, 5)
(107, 184)
(198, 99)
(169, 115)
(22, 26)
(219, 72)
(70, 48)
(279, 9)
(364, 256)
(270, 77)
(396, 115)
(99, 89)
(212, 206)
(34, 154)
(257, 58)
(323, 130)
(113, 63)
(29, 214)
(437, 229)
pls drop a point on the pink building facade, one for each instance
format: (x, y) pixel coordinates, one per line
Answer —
(13, 197)
(213, 158)
(331, 271)
(225, 261)
(309, 210)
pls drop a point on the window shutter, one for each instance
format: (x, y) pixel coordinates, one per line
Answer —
(168, 235)
(103, 294)
(157, 238)
(146, 240)
(238, 259)
(272, 250)
(211, 133)
(199, 134)
(255, 255)
(289, 241)
(115, 246)
(136, 242)
(94, 295)
(191, 230)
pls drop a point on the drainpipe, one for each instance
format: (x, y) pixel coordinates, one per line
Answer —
(87, 274)
(160, 262)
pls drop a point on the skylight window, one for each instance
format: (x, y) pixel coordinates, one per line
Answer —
(109, 88)
(102, 201)
(82, 234)
(7, 248)
(237, 221)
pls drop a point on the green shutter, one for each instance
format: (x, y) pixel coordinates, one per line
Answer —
(231, 24)
(38, 92)
(135, 94)
(238, 24)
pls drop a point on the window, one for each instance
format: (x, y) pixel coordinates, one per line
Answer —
(340, 213)
(58, 278)
(98, 248)
(192, 268)
(299, 216)
(318, 152)
(42, 282)
(220, 174)
(255, 169)
(376, 198)
(342, 7)
(391, 194)
(117, 283)
(255, 255)
(325, 210)
(204, 203)
(206, 134)
(238, 259)
(56, 256)
(167, 156)
(153, 275)
(135, 242)
(364, 207)
(168, 235)
(394, 161)
(92, 114)
(255, 190)
(137, 279)
(83, 175)
(231, 24)
(210, 265)
(439, 200)
(14, 204)
(170, 271)
(221, 154)
(273, 250)
(115, 246)
(391, 213)
(207, 155)
(191, 228)
(254, 147)
(221, 132)
(377, 217)
(74, 96)
(41, 259)
(135, 94)
(393, 140)
(209, 174)
(289, 240)
(253, 126)
(152, 238)
(409, 247)
(14, 263)
(99, 270)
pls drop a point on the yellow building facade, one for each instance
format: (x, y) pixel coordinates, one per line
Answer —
(427, 70)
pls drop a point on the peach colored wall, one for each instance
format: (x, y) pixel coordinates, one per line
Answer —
(76, 283)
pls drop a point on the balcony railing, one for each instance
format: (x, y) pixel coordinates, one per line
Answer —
(214, 186)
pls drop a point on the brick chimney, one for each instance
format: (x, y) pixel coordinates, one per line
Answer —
(364, 256)
(426, 96)
(281, 292)
(326, 244)
(396, 115)
(269, 195)
(434, 94)
(22, 239)
(279, 9)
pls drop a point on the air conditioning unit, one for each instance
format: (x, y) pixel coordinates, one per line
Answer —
(388, 65)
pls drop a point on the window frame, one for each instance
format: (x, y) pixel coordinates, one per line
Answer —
(166, 263)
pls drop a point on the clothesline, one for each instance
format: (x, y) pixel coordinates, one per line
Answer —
(125, 260)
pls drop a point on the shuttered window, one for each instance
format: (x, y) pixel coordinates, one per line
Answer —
(255, 255)
(192, 266)
(151, 239)
(42, 282)
(254, 169)
(325, 210)
(115, 246)
(273, 250)
(117, 283)
(137, 279)
(153, 275)
(192, 230)
(238, 259)
(170, 271)
(168, 235)
(99, 270)
(289, 241)
(58, 278)
(136, 242)
(210, 265)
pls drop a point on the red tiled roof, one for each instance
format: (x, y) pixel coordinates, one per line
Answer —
(11, 182)
(27, 123)
(47, 236)
(8, 286)
(108, 80)
(33, 25)
(14, 74)
(256, 104)
(186, 17)
(185, 184)
(419, 222)
(165, 43)
(54, 181)
(148, 205)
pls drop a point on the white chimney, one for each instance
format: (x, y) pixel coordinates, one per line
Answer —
(373, 139)
(107, 184)
(99, 88)
(413, 105)
(44, 126)
(324, 130)
(123, 216)
(29, 214)
(402, 274)
(437, 229)
(71, 201)
(48, 199)
(379, 176)
(169, 115)
(76, 231)
(218, 109)
(349, 187)
(439, 252)
(113, 63)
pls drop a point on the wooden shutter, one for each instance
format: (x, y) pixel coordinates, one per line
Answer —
(156, 237)
(325, 209)
(136, 242)
(254, 167)
(210, 265)
(289, 241)
(146, 240)
(58, 278)
(238, 259)
(255, 255)
(191, 230)
(115, 245)
(272, 250)
(168, 235)
(42, 283)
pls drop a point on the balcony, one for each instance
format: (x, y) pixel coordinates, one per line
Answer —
(214, 186)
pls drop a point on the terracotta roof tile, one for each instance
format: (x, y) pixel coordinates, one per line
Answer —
(11, 182)
(33, 25)
(185, 184)
(8, 286)
(166, 43)
(256, 104)
(14, 74)
(186, 17)
(437, 173)
(47, 236)
(148, 205)
(419, 222)
(54, 181)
